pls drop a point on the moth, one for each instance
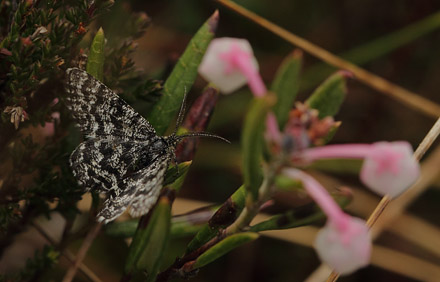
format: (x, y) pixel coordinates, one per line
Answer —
(122, 156)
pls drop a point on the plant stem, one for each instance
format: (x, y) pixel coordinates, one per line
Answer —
(67, 254)
(252, 208)
(82, 252)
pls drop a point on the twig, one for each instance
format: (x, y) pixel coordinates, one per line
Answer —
(82, 252)
(407, 97)
(418, 154)
(68, 255)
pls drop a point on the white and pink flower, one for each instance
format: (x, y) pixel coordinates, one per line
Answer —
(229, 63)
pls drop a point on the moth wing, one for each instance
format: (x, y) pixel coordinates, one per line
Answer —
(101, 164)
(149, 189)
(114, 206)
(100, 112)
(140, 191)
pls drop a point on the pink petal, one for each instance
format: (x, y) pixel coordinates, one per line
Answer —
(390, 168)
(223, 62)
(344, 250)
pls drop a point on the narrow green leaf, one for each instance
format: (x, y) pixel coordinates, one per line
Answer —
(95, 62)
(182, 77)
(177, 184)
(290, 219)
(252, 142)
(338, 166)
(181, 226)
(174, 173)
(328, 97)
(123, 229)
(286, 183)
(207, 232)
(223, 247)
(149, 244)
(286, 85)
(302, 216)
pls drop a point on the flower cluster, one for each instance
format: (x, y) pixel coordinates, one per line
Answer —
(388, 167)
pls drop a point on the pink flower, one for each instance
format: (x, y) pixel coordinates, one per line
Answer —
(229, 63)
(389, 168)
(344, 250)
(344, 243)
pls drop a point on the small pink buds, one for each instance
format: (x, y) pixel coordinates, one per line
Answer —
(344, 250)
(229, 63)
(344, 243)
(389, 168)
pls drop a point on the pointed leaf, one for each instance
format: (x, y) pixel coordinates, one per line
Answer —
(176, 172)
(149, 244)
(182, 77)
(234, 205)
(328, 97)
(95, 62)
(223, 247)
(252, 142)
(302, 216)
(286, 85)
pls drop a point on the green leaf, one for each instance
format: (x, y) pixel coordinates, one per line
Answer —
(95, 62)
(207, 232)
(339, 166)
(286, 85)
(177, 184)
(301, 216)
(174, 173)
(223, 247)
(123, 229)
(285, 183)
(182, 77)
(181, 226)
(290, 219)
(149, 244)
(252, 142)
(327, 99)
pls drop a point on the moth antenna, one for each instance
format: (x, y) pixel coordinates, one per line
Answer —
(181, 114)
(203, 134)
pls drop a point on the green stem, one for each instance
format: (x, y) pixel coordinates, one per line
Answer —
(265, 192)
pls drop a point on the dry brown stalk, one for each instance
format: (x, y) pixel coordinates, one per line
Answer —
(405, 96)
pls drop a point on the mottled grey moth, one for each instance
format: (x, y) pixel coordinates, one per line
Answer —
(122, 156)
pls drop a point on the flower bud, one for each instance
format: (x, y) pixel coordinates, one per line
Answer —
(344, 249)
(390, 168)
(229, 63)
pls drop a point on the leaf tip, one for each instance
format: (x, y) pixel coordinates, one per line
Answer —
(213, 21)
(346, 74)
(297, 54)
